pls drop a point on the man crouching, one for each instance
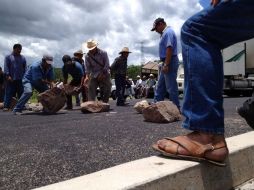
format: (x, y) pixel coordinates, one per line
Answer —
(39, 76)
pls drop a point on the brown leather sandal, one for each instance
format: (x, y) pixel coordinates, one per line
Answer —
(197, 151)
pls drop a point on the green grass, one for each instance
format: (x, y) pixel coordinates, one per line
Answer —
(33, 99)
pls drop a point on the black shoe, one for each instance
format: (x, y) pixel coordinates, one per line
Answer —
(247, 116)
(68, 108)
(122, 104)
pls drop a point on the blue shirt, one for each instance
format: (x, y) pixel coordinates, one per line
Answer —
(205, 3)
(168, 39)
(15, 66)
(75, 70)
(35, 72)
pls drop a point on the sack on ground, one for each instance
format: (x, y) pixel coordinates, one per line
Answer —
(71, 90)
(13, 103)
(52, 100)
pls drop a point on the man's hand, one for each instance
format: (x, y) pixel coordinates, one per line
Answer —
(77, 89)
(9, 78)
(165, 69)
(214, 2)
(86, 81)
(52, 84)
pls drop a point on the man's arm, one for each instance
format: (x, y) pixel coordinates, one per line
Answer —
(87, 71)
(7, 63)
(214, 2)
(106, 62)
(165, 68)
(114, 64)
(24, 64)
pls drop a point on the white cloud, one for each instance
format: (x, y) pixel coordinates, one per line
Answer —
(60, 27)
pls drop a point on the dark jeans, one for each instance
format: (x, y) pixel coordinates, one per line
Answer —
(203, 36)
(12, 89)
(1, 92)
(75, 83)
(120, 88)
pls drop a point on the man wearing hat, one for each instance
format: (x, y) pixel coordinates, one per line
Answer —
(119, 68)
(150, 86)
(39, 76)
(137, 86)
(168, 55)
(97, 72)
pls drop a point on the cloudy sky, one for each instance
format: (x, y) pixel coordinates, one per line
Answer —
(61, 26)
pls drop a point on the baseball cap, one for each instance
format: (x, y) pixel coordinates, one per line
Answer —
(157, 21)
(48, 59)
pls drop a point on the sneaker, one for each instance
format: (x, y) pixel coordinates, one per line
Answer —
(247, 116)
(17, 112)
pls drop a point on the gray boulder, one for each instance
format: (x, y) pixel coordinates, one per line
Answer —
(162, 112)
(94, 107)
(139, 106)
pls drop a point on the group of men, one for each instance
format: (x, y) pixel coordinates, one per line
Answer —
(145, 87)
(86, 76)
(221, 24)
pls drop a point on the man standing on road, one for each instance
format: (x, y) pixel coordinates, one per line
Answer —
(97, 72)
(168, 55)
(14, 69)
(76, 71)
(220, 25)
(119, 68)
(40, 76)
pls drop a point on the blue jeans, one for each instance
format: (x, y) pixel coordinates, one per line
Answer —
(12, 88)
(167, 83)
(28, 92)
(203, 36)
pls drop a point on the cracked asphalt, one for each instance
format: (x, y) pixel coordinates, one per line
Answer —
(37, 150)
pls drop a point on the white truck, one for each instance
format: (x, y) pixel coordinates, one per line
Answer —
(238, 63)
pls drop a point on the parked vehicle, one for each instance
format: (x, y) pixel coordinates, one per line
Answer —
(238, 63)
(180, 78)
(128, 92)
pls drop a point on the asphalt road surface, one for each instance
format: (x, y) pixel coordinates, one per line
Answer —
(37, 149)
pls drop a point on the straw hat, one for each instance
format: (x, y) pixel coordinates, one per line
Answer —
(125, 50)
(91, 44)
